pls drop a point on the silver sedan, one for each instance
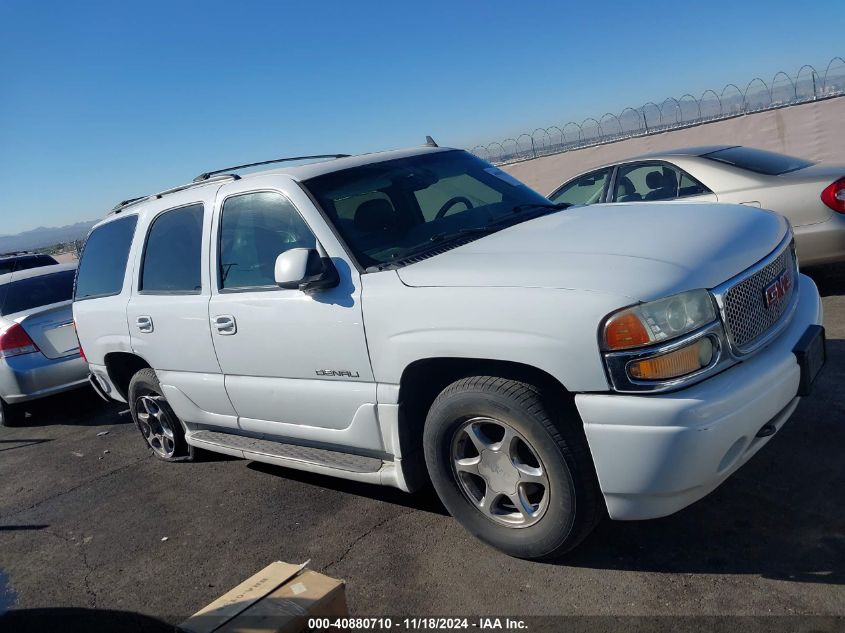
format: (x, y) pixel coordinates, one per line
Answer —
(811, 196)
(39, 351)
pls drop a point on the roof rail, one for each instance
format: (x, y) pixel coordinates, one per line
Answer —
(206, 175)
(120, 206)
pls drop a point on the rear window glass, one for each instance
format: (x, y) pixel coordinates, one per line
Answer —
(758, 160)
(172, 255)
(23, 263)
(104, 257)
(35, 292)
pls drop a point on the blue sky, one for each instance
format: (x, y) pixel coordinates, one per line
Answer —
(101, 101)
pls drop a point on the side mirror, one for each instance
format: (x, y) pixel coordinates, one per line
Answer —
(305, 269)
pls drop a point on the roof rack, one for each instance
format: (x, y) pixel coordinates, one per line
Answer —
(120, 206)
(212, 176)
(206, 175)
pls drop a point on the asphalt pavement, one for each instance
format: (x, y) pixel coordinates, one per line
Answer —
(94, 530)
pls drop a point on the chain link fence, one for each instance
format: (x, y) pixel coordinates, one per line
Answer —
(808, 84)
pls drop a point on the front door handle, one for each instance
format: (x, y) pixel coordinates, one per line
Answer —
(145, 324)
(225, 324)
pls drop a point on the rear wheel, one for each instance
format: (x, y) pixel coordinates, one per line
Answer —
(159, 426)
(511, 468)
(11, 414)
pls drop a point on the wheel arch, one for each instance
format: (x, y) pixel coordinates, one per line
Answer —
(423, 379)
(121, 366)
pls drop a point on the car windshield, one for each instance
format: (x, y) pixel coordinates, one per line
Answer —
(392, 210)
(758, 160)
(35, 292)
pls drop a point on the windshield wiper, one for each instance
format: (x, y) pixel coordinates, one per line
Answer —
(540, 205)
(470, 230)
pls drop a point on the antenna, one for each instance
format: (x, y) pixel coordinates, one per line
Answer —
(430, 142)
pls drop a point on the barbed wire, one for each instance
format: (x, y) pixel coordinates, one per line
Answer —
(808, 84)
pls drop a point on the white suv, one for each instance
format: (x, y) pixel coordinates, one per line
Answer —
(417, 314)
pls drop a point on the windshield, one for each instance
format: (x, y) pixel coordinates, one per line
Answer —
(391, 210)
(758, 160)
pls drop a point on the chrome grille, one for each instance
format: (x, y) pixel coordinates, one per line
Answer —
(747, 318)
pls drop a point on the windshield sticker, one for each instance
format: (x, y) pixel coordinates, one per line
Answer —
(502, 175)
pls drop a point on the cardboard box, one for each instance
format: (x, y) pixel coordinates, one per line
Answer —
(278, 599)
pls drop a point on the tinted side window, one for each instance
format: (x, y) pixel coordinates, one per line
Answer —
(38, 291)
(255, 228)
(103, 263)
(173, 252)
(689, 186)
(586, 189)
(650, 181)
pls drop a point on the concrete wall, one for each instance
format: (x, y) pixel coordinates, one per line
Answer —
(815, 131)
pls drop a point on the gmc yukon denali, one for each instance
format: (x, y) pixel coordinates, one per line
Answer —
(420, 315)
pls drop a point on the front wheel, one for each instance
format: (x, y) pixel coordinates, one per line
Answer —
(156, 421)
(509, 469)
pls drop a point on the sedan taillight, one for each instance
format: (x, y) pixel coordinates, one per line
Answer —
(81, 351)
(834, 195)
(15, 341)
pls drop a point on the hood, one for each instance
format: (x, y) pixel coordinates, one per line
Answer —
(639, 250)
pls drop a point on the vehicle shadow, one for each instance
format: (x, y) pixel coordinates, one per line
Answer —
(425, 500)
(830, 279)
(779, 516)
(80, 407)
(77, 620)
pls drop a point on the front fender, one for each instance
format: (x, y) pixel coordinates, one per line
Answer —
(550, 329)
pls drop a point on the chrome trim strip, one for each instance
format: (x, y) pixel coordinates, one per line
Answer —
(617, 362)
(721, 290)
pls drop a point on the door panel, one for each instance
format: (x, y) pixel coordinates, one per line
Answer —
(290, 359)
(168, 312)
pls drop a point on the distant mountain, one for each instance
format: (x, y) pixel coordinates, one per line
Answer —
(45, 236)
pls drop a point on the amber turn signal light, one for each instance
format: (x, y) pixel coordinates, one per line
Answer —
(625, 330)
(681, 362)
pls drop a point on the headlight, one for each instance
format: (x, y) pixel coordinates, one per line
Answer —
(658, 321)
(665, 344)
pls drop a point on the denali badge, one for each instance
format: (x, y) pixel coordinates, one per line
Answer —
(778, 289)
(340, 373)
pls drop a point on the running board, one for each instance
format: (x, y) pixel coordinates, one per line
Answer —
(298, 456)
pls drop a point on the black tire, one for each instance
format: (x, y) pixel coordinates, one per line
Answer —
(144, 384)
(11, 414)
(574, 505)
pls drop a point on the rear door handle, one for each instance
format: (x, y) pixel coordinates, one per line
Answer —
(225, 324)
(145, 324)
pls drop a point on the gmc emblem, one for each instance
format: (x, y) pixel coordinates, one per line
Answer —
(778, 289)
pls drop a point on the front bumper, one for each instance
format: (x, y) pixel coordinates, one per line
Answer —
(32, 376)
(657, 454)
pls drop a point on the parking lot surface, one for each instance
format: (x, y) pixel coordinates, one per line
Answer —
(94, 529)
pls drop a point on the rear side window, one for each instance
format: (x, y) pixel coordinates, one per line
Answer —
(758, 160)
(255, 229)
(172, 255)
(103, 263)
(35, 292)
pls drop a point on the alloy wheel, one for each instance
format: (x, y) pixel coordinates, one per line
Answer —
(500, 472)
(156, 425)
